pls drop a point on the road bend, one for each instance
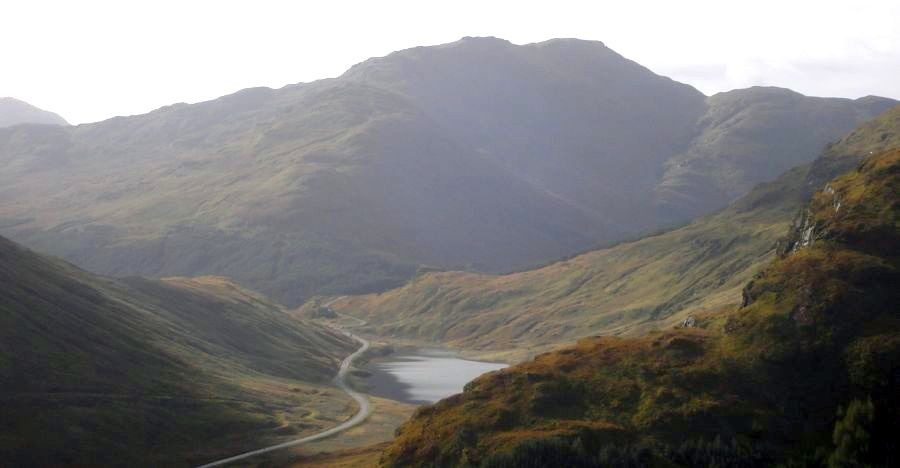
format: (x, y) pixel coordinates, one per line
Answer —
(341, 381)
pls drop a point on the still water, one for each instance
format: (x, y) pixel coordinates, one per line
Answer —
(425, 375)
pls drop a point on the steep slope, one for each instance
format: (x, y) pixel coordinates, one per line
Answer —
(96, 371)
(751, 135)
(14, 112)
(805, 371)
(629, 288)
(479, 154)
(573, 118)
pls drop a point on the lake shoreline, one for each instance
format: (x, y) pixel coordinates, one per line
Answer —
(421, 376)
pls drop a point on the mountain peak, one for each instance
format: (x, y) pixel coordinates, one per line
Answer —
(570, 41)
(528, 152)
(14, 111)
(481, 40)
(758, 93)
(488, 51)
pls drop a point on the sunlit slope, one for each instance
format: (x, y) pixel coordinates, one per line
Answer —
(806, 370)
(630, 288)
(96, 371)
(479, 154)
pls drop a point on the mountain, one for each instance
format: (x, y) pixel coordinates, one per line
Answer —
(749, 136)
(630, 288)
(14, 112)
(803, 373)
(480, 155)
(137, 372)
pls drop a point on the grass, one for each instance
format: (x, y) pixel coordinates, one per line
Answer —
(96, 371)
(364, 457)
(818, 330)
(359, 446)
(627, 289)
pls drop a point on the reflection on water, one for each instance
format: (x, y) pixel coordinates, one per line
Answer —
(425, 376)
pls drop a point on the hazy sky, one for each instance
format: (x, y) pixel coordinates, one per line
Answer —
(91, 60)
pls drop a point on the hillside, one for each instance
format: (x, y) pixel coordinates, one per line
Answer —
(630, 288)
(626, 289)
(479, 155)
(749, 136)
(95, 371)
(15, 112)
(804, 372)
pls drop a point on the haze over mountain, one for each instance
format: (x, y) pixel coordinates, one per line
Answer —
(478, 154)
(14, 112)
(101, 372)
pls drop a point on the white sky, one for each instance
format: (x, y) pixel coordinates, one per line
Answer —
(89, 60)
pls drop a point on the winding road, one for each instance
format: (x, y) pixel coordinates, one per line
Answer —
(341, 381)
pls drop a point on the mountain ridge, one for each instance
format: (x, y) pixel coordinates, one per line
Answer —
(15, 112)
(528, 153)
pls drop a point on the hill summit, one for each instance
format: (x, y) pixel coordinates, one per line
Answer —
(14, 112)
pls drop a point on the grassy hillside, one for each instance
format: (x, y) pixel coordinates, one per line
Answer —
(805, 372)
(480, 155)
(630, 288)
(15, 112)
(95, 371)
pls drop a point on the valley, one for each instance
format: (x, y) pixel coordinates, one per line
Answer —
(99, 371)
(472, 254)
(777, 377)
(340, 380)
(629, 289)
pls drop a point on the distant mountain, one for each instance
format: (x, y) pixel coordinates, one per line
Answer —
(136, 372)
(630, 288)
(752, 135)
(804, 373)
(478, 155)
(14, 112)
